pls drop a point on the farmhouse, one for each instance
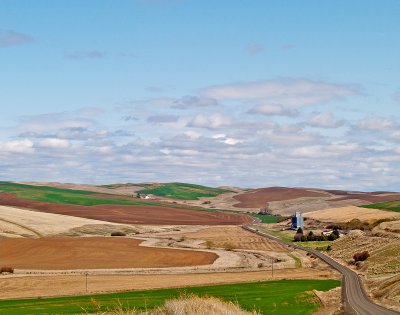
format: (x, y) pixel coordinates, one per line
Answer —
(297, 221)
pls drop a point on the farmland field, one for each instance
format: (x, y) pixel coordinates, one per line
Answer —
(67, 196)
(182, 191)
(236, 237)
(266, 218)
(346, 214)
(389, 206)
(260, 197)
(272, 297)
(112, 208)
(63, 253)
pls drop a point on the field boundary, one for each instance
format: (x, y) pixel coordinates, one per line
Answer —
(38, 234)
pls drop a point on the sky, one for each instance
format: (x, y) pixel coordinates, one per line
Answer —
(242, 93)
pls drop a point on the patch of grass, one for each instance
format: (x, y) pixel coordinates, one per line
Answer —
(318, 245)
(285, 235)
(265, 218)
(272, 297)
(388, 206)
(182, 191)
(297, 261)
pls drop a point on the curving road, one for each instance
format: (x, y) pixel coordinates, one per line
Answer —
(355, 300)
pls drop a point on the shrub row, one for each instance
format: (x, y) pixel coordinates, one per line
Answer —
(6, 270)
(361, 256)
(311, 237)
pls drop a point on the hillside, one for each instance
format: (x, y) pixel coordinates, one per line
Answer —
(182, 191)
(389, 206)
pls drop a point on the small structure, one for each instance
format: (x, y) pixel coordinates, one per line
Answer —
(142, 196)
(297, 221)
(265, 211)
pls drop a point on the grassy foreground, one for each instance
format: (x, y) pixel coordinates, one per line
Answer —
(272, 297)
(389, 206)
(182, 191)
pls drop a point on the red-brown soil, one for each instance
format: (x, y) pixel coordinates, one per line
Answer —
(131, 214)
(260, 197)
(63, 253)
(371, 197)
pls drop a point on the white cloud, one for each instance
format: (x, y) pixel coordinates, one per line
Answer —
(274, 110)
(343, 147)
(287, 135)
(17, 146)
(288, 92)
(54, 143)
(308, 152)
(222, 138)
(232, 141)
(325, 120)
(376, 124)
(51, 122)
(189, 101)
(396, 135)
(163, 119)
(193, 135)
(214, 121)
(219, 136)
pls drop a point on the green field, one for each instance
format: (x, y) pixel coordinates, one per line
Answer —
(265, 218)
(84, 198)
(63, 196)
(285, 235)
(182, 191)
(273, 297)
(389, 206)
(78, 197)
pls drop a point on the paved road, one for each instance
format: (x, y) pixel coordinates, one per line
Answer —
(355, 300)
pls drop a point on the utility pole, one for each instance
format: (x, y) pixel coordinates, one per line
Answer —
(86, 278)
(272, 268)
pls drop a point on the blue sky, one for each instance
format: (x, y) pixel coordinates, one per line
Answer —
(246, 93)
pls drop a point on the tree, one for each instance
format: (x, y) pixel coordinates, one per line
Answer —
(297, 237)
(310, 236)
(361, 256)
(336, 233)
(331, 237)
(300, 230)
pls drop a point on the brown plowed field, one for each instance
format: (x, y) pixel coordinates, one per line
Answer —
(131, 214)
(258, 198)
(235, 237)
(371, 197)
(63, 253)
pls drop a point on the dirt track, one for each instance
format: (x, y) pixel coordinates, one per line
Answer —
(258, 198)
(131, 214)
(36, 286)
(62, 253)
